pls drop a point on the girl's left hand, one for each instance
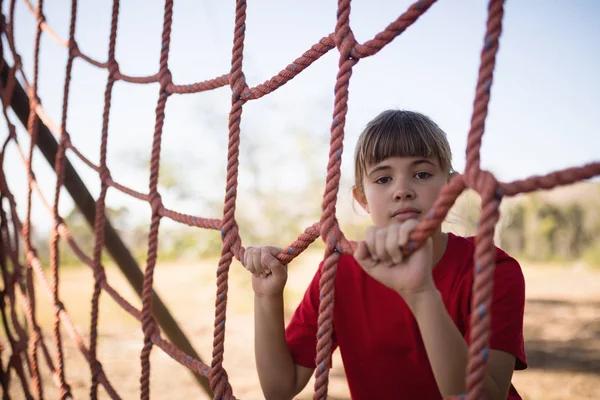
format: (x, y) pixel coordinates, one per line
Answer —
(381, 257)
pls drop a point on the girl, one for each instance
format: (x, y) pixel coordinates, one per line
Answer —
(401, 324)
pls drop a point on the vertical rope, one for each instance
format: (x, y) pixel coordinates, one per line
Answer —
(229, 233)
(481, 301)
(32, 128)
(99, 274)
(149, 325)
(486, 185)
(7, 294)
(11, 280)
(60, 171)
(330, 232)
(484, 85)
(7, 286)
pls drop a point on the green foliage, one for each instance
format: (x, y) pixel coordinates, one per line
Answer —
(558, 225)
(541, 228)
(591, 255)
(82, 234)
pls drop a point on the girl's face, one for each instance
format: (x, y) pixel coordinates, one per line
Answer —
(400, 188)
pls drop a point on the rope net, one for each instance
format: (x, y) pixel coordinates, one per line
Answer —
(27, 346)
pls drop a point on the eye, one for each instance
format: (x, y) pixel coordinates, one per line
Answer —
(383, 180)
(423, 175)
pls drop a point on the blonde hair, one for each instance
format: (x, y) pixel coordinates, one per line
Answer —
(400, 133)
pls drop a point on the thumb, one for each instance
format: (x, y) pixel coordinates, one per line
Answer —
(277, 268)
(423, 255)
(273, 250)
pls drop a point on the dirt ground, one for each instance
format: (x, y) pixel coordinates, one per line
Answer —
(562, 330)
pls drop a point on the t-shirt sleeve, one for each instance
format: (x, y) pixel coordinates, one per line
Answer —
(508, 308)
(301, 332)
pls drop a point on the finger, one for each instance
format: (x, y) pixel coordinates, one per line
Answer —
(274, 251)
(380, 241)
(391, 243)
(405, 230)
(248, 261)
(273, 265)
(362, 255)
(257, 264)
(370, 242)
(274, 261)
(264, 253)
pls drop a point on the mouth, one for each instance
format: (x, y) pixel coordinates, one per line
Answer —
(404, 214)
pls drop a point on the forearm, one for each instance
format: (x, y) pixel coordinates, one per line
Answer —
(446, 349)
(274, 363)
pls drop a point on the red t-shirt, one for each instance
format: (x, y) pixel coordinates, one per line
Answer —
(379, 340)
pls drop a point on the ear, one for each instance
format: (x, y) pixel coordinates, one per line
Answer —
(360, 198)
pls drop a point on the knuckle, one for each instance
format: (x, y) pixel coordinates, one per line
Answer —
(381, 234)
(391, 246)
(371, 231)
(410, 225)
(273, 250)
(264, 258)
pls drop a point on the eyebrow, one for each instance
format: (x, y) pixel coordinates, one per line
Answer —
(386, 167)
(421, 161)
(380, 168)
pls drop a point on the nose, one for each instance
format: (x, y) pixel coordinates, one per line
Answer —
(403, 191)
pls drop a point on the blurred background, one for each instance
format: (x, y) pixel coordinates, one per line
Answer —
(542, 118)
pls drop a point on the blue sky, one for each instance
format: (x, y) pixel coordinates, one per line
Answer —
(542, 117)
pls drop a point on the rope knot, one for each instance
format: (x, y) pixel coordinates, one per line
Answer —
(484, 183)
(59, 307)
(113, 69)
(34, 100)
(40, 17)
(150, 329)
(346, 43)
(99, 274)
(165, 79)
(331, 234)
(105, 175)
(154, 331)
(240, 89)
(231, 238)
(74, 49)
(156, 203)
(66, 140)
(96, 366)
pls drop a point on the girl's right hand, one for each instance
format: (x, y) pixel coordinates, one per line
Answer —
(269, 275)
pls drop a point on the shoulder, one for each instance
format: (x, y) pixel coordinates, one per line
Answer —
(465, 246)
(460, 256)
(508, 273)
